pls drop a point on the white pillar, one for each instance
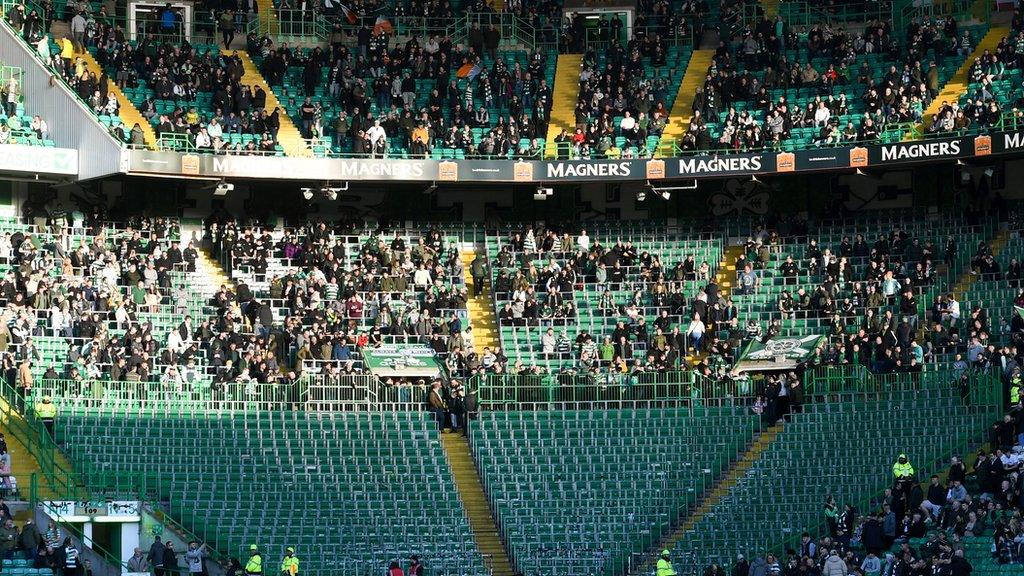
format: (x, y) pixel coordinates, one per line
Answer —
(87, 535)
(130, 532)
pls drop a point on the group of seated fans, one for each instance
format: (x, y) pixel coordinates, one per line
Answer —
(877, 303)
(994, 87)
(378, 91)
(340, 291)
(747, 101)
(16, 127)
(912, 530)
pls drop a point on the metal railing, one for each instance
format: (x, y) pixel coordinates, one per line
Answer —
(317, 392)
(56, 481)
(977, 389)
(681, 34)
(293, 23)
(606, 389)
(203, 27)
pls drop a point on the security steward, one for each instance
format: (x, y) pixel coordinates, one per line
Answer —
(1015, 386)
(903, 473)
(665, 565)
(254, 566)
(47, 413)
(290, 564)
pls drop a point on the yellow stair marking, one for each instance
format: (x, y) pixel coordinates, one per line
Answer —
(471, 493)
(714, 495)
(129, 114)
(269, 24)
(288, 135)
(771, 7)
(957, 85)
(24, 464)
(966, 280)
(725, 277)
(480, 308)
(682, 110)
(564, 95)
(206, 264)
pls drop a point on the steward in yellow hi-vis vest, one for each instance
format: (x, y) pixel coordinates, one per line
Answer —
(290, 564)
(255, 564)
(665, 565)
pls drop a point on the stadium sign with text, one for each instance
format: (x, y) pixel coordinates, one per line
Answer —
(38, 160)
(891, 155)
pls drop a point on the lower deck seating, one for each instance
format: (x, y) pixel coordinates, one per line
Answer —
(844, 448)
(350, 491)
(575, 492)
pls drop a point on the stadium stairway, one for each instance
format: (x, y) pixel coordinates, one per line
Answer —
(23, 463)
(725, 277)
(129, 114)
(564, 95)
(958, 83)
(211, 270)
(480, 308)
(471, 493)
(713, 495)
(288, 135)
(268, 19)
(682, 111)
(967, 279)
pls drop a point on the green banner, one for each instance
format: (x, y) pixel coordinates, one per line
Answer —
(1019, 310)
(778, 353)
(402, 360)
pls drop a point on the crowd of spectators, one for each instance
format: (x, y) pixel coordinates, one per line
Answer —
(985, 104)
(507, 104)
(73, 278)
(620, 91)
(541, 272)
(13, 128)
(341, 293)
(919, 526)
(905, 88)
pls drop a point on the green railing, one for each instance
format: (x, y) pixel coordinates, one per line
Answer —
(904, 11)
(805, 14)
(20, 418)
(311, 392)
(149, 24)
(291, 24)
(510, 391)
(515, 31)
(976, 389)
(681, 35)
(8, 72)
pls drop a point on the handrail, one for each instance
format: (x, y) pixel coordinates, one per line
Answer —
(54, 479)
(29, 430)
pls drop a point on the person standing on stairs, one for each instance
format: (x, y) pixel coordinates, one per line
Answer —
(477, 270)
